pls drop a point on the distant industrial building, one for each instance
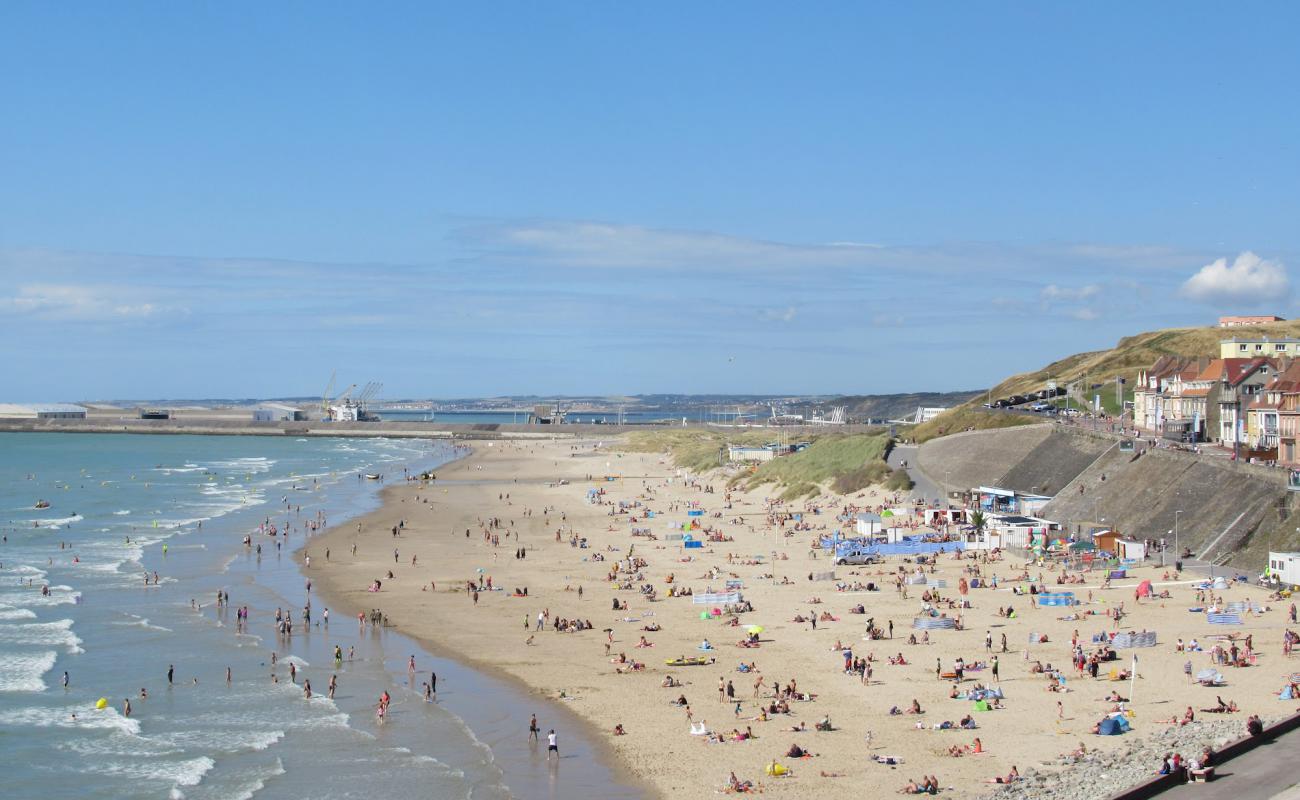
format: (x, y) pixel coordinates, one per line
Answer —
(1239, 322)
(42, 411)
(276, 412)
(926, 413)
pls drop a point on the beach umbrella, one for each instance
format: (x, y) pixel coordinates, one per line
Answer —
(705, 615)
(755, 629)
(717, 612)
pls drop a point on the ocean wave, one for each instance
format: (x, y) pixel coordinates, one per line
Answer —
(256, 780)
(87, 717)
(58, 596)
(138, 621)
(119, 743)
(25, 672)
(48, 634)
(187, 772)
(223, 740)
(10, 614)
(122, 513)
(55, 522)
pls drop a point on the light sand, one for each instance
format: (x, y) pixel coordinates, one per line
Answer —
(658, 748)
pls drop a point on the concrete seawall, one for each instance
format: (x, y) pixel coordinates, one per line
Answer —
(1034, 458)
(1231, 512)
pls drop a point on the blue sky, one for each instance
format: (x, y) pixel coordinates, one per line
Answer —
(203, 199)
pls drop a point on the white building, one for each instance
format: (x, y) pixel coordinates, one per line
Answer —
(42, 411)
(926, 413)
(739, 453)
(1284, 567)
(1011, 530)
(278, 412)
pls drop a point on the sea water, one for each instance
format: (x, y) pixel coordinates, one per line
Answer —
(124, 507)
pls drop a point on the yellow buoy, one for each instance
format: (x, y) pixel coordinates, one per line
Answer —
(101, 703)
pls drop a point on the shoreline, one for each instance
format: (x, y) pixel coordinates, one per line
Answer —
(537, 489)
(340, 600)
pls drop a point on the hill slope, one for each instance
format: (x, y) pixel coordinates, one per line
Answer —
(894, 406)
(1131, 354)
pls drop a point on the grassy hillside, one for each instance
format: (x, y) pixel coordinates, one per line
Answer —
(1130, 355)
(894, 406)
(696, 449)
(850, 462)
(1137, 352)
(842, 462)
(966, 417)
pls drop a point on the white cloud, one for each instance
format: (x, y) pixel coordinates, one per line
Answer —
(1248, 280)
(778, 314)
(1084, 314)
(609, 245)
(80, 303)
(1054, 293)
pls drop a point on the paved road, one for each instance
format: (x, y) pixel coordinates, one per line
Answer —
(1266, 773)
(925, 488)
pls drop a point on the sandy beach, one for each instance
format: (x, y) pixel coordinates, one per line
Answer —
(471, 523)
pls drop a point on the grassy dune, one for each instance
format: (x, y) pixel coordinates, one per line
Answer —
(844, 463)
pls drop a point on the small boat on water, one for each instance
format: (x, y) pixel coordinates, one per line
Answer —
(42, 504)
(370, 476)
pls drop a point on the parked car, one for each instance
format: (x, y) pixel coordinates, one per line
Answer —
(858, 559)
(1040, 406)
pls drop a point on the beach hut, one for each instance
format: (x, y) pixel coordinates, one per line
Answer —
(1107, 541)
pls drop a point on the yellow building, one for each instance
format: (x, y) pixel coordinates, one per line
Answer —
(1258, 347)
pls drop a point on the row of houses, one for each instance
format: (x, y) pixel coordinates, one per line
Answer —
(1248, 398)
